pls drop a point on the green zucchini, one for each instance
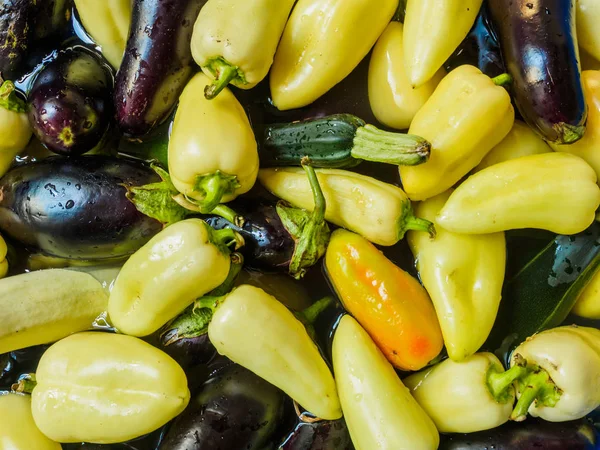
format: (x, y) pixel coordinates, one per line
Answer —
(543, 292)
(339, 141)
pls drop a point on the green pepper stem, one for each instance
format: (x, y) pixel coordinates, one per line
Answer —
(230, 215)
(499, 381)
(224, 73)
(227, 237)
(417, 224)
(214, 186)
(25, 384)
(9, 98)
(314, 233)
(503, 80)
(373, 144)
(536, 386)
(311, 313)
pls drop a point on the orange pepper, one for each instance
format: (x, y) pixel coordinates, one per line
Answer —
(388, 302)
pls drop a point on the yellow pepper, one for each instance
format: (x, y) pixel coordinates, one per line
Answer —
(588, 33)
(178, 265)
(393, 99)
(234, 41)
(379, 211)
(255, 330)
(520, 141)
(15, 131)
(463, 274)
(387, 301)
(464, 397)
(17, 428)
(467, 115)
(107, 22)
(550, 191)
(52, 304)
(3, 260)
(378, 409)
(588, 303)
(587, 146)
(433, 29)
(323, 41)
(213, 155)
(106, 388)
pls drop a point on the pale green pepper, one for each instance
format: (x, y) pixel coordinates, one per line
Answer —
(3, 260)
(15, 131)
(183, 262)
(378, 409)
(105, 388)
(17, 428)
(463, 274)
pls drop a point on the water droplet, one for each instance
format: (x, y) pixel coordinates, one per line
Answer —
(70, 204)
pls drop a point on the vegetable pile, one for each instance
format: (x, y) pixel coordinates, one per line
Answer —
(299, 224)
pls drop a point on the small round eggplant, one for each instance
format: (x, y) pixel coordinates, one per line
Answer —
(70, 102)
(533, 434)
(76, 208)
(324, 435)
(235, 409)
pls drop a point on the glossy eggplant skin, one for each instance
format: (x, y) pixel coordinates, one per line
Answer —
(269, 246)
(480, 48)
(15, 21)
(157, 63)
(188, 352)
(76, 208)
(235, 409)
(532, 434)
(539, 45)
(325, 435)
(70, 102)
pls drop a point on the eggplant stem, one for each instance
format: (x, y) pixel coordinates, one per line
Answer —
(568, 134)
(503, 80)
(372, 144)
(214, 187)
(224, 73)
(538, 387)
(499, 381)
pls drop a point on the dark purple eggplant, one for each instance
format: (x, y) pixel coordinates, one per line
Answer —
(480, 48)
(539, 45)
(532, 434)
(15, 25)
(70, 102)
(76, 208)
(235, 409)
(157, 63)
(188, 352)
(324, 435)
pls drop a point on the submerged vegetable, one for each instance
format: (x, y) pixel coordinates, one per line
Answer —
(539, 44)
(234, 409)
(520, 141)
(536, 191)
(70, 105)
(463, 397)
(463, 274)
(107, 22)
(339, 141)
(157, 63)
(322, 43)
(433, 30)
(215, 159)
(389, 303)
(234, 41)
(106, 388)
(378, 408)
(380, 212)
(392, 98)
(48, 305)
(15, 131)
(17, 428)
(180, 264)
(563, 382)
(280, 351)
(76, 208)
(467, 115)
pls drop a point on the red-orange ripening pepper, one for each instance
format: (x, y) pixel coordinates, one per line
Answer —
(389, 303)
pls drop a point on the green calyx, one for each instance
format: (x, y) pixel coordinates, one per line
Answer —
(309, 316)
(568, 134)
(500, 382)
(536, 386)
(224, 73)
(25, 384)
(310, 231)
(225, 238)
(9, 98)
(373, 144)
(194, 321)
(503, 80)
(213, 187)
(156, 200)
(408, 221)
